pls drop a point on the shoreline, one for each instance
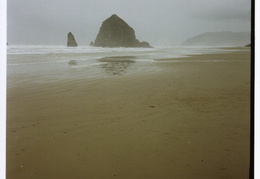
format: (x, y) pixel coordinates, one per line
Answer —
(190, 119)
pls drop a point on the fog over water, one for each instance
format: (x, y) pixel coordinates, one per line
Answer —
(164, 22)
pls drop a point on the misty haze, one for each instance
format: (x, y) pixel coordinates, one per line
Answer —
(47, 22)
(128, 89)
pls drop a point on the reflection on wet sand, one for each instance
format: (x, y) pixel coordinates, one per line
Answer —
(116, 65)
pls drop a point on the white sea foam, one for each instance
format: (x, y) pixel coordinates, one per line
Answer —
(38, 49)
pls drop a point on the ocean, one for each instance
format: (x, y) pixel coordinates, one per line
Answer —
(43, 64)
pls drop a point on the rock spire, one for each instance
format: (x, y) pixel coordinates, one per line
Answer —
(71, 40)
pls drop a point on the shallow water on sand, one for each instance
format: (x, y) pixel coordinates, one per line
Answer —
(42, 64)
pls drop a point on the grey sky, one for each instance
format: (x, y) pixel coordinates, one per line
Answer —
(164, 22)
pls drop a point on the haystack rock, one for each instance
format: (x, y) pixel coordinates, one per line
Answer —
(71, 40)
(115, 32)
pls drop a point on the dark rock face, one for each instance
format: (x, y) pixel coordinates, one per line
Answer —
(142, 44)
(71, 40)
(115, 32)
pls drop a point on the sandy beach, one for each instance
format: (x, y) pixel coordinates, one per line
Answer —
(189, 120)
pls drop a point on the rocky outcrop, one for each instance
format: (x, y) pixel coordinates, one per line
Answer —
(142, 44)
(72, 62)
(91, 43)
(115, 32)
(71, 40)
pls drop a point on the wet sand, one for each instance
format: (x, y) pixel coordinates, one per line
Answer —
(189, 120)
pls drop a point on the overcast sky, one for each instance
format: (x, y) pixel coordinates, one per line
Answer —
(159, 22)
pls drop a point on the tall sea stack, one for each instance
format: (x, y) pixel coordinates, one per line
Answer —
(115, 32)
(71, 40)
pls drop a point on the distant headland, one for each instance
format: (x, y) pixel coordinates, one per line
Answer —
(225, 38)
